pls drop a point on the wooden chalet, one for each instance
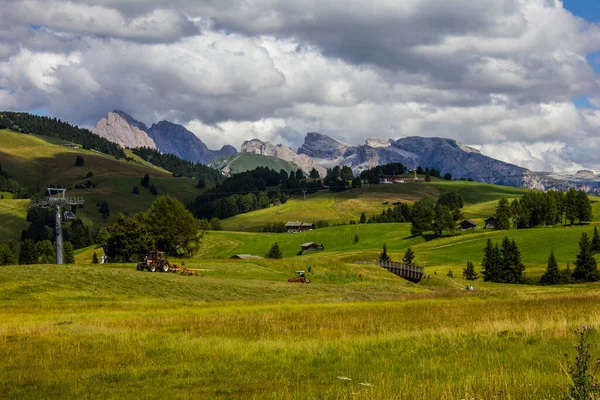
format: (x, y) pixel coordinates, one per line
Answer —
(468, 224)
(490, 223)
(310, 246)
(297, 226)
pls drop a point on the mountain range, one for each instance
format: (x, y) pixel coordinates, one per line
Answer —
(321, 152)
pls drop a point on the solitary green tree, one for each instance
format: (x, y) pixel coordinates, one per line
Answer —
(383, 256)
(356, 238)
(409, 256)
(274, 252)
(363, 218)
(95, 258)
(422, 215)
(469, 272)
(552, 274)
(128, 240)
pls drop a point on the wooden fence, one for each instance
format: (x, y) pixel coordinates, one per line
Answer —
(410, 272)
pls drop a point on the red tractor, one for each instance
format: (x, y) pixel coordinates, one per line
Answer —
(154, 261)
(300, 278)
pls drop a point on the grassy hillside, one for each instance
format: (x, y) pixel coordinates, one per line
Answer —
(240, 331)
(437, 255)
(480, 202)
(33, 160)
(13, 214)
(242, 162)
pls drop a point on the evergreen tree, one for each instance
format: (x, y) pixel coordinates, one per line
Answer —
(79, 161)
(355, 238)
(356, 182)
(135, 190)
(28, 255)
(68, 253)
(427, 176)
(447, 176)
(153, 190)
(503, 215)
(145, 182)
(566, 275)
(595, 241)
(45, 252)
(571, 206)
(104, 209)
(512, 267)
(469, 272)
(363, 218)
(491, 262)
(274, 252)
(201, 184)
(7, 255)
(314, 174)
(409, 257)
(585, 264)
(584, 207)
(552, 274)
(95, 258)
(422, 215)
(383, 256)
(215, 224)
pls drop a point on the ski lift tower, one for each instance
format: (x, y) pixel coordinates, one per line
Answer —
(57, 200)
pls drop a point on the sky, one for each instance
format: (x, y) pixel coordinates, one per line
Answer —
(518, 79)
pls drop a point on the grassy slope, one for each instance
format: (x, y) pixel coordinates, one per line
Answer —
(39, 161)
(241, 331)
(480, 202)
(13, 214)
(242, 162)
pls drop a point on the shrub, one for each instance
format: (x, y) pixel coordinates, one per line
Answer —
(469, 272)
(95, 258)
(79, 161)
(383, 256)
(583, 385)
(135, 190)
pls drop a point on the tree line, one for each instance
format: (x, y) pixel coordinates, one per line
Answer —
(178, 166)
(537, 208)
(55, 128)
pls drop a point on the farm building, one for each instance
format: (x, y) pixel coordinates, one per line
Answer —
(310, 246)
(71, 145)
(490, 223)
(467, 224)
(297, 226)
(245, 257)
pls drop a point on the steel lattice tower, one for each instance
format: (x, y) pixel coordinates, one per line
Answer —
(57, 200)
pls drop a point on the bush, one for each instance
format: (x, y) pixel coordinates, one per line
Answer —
(89, 175)
(79, 161)
(95, 258)
(583, 385)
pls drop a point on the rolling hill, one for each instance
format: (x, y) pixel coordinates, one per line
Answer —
(242, 162)
(41, 161)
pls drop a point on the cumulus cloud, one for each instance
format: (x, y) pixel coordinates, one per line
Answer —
(497, 74)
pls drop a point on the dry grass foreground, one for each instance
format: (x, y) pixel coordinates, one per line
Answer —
(239, 330)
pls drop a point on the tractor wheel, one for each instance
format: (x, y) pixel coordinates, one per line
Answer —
(152, 268)
(165, 266)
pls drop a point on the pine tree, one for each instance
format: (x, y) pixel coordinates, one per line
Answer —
(469, 272)
(363, 218)
(596, 241)
(584, 207)
(28, 255)
(68, 253)
(145, 182)
(503, 215)
(512, 267)
(571, 206)
(383, 256)
(422, 215)
(490, 265)
(409, 257)
(274, 252)
(585, 264)
(95, 258)
(356, 238)
(552, 274)
(45, 252)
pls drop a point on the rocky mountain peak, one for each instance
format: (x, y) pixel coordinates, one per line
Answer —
(120, 128)
(375, 142)
(318, 145)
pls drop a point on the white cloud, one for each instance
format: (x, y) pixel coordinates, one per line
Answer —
(499, 74)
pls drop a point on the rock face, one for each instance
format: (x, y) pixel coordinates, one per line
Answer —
(119, 127)
(303, 161)
(175, 139)
(167, 137)
(445, 155)
(317, 145)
